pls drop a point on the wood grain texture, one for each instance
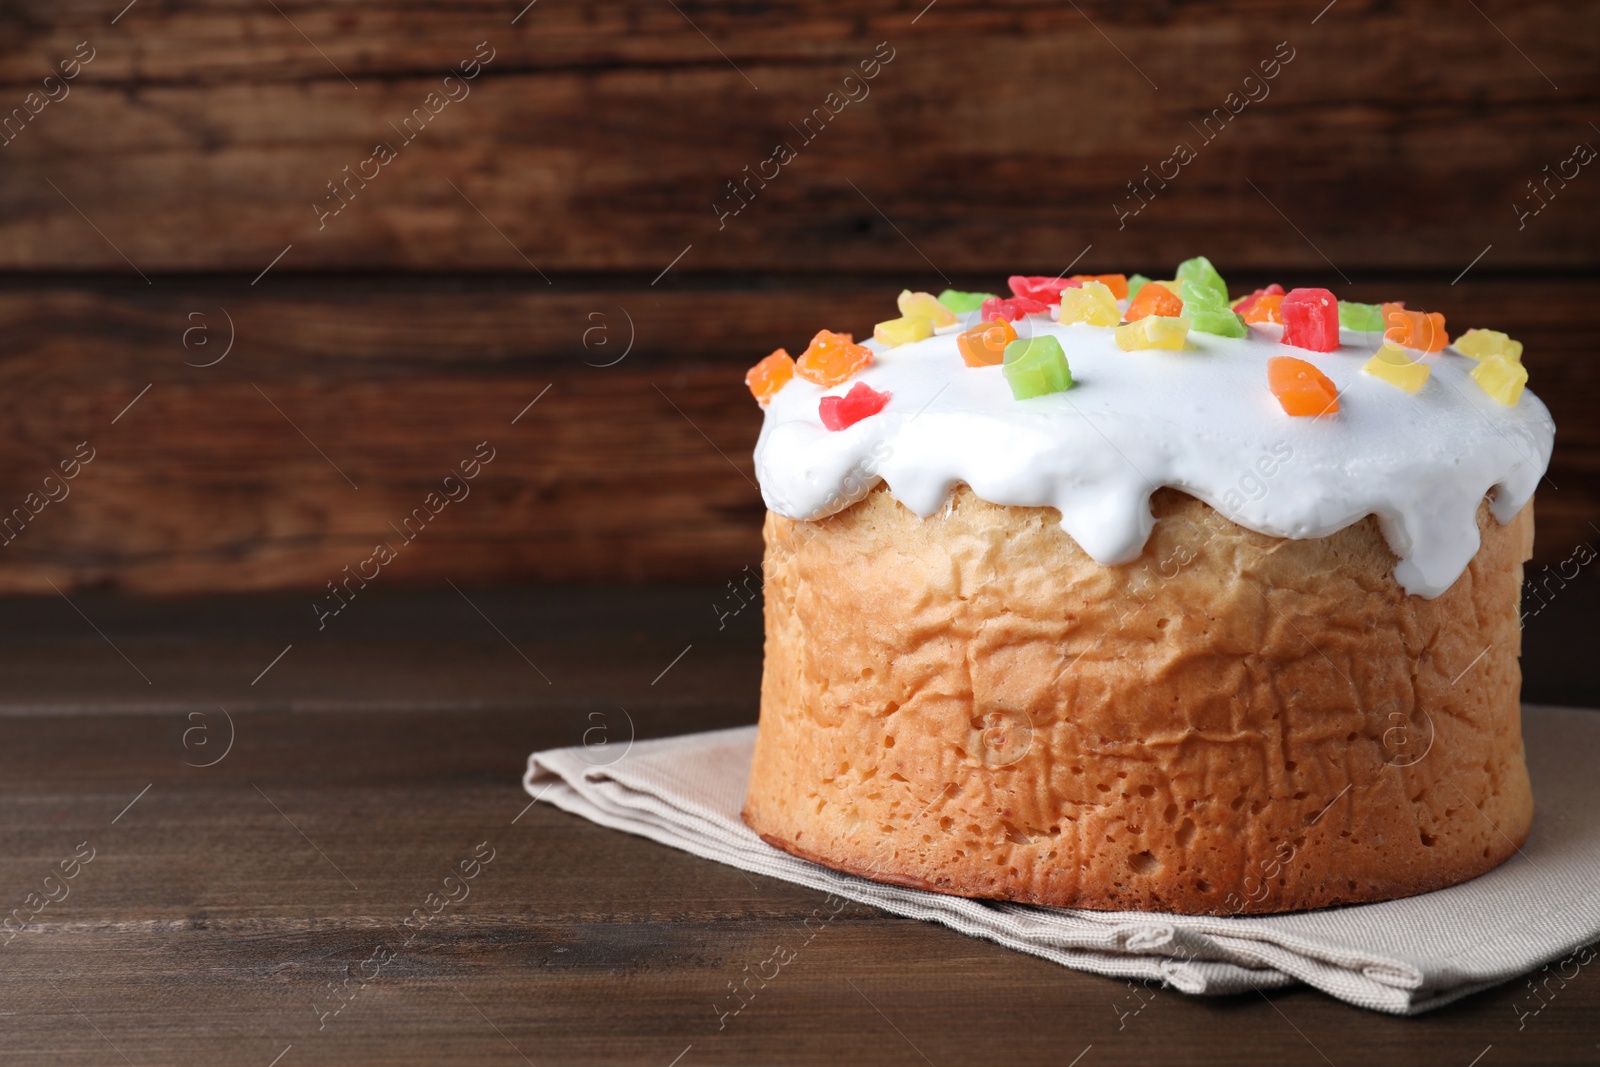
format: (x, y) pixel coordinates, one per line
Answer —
(234, 476)
(599, 137)
(572, 191)
(208, 926)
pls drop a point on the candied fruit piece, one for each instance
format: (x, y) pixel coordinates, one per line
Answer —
(1093, 304)
(902, 331)
(1153, 331)
(1218, 321)
(770, 375)
(1422, 330)
(1367, 318)
(1301, 388)
(1310, 319)
(1035, 366)
(1192, 293)
(1391, 363)
(1433, 335)
(831, 358)
(1200, 271)
(1245, 303)
(1207, 313)
(1011, 310)
(925, 306)
(1040, 287)
(1135, 283)
(1501, 378)
(1117, 283)
(985, 344)
(1154, 299)
(961, 302)
(839, 412)
(1480, 343)
(1267, 308)
(1395, 321)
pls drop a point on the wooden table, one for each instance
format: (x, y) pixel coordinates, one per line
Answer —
(224, 904)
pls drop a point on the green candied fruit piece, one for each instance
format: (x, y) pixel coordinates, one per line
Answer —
(1200, 296)
(961, 303)
(1035, 366)
(1208, 314)
(1365, 317)
(1218, 321)
(1135, 283)
(1200, 271)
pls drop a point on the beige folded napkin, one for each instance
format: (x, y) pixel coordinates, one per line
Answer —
(1401, 956)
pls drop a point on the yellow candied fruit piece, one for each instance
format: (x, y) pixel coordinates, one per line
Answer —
(1479, 343)
(902, 331)
(1501, 378)
(1153, 331)
(1391, 364)
(1093, 304)
(925, 306)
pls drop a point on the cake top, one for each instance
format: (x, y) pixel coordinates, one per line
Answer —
(1293, 414)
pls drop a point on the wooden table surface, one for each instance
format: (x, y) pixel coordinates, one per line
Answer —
(224, 905)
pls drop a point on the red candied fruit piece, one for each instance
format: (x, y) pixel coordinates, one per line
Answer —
(1040, 287)
(1245, 303)
(1310, 319)
(1011, 310)
(862, 400)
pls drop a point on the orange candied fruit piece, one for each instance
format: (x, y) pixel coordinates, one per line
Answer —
(1300, 387)
(831, 358)
(1154, 299)
(985, 344)
(1267, 308)
(1117, 283)
(1420, 330)
(770, 375)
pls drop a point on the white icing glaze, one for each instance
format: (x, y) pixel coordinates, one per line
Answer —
(1201, 420)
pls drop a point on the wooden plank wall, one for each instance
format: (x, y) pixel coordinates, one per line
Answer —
(550, 217)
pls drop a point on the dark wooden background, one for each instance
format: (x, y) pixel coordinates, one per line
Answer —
(537, 218)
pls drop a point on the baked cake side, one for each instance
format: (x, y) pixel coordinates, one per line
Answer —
(970, 704)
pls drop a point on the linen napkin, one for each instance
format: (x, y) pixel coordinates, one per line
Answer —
(1400, 956)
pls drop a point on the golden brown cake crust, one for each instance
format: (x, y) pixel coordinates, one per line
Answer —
(1233, 723)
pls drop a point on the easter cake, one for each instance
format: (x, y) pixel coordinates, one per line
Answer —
(1125, 594)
